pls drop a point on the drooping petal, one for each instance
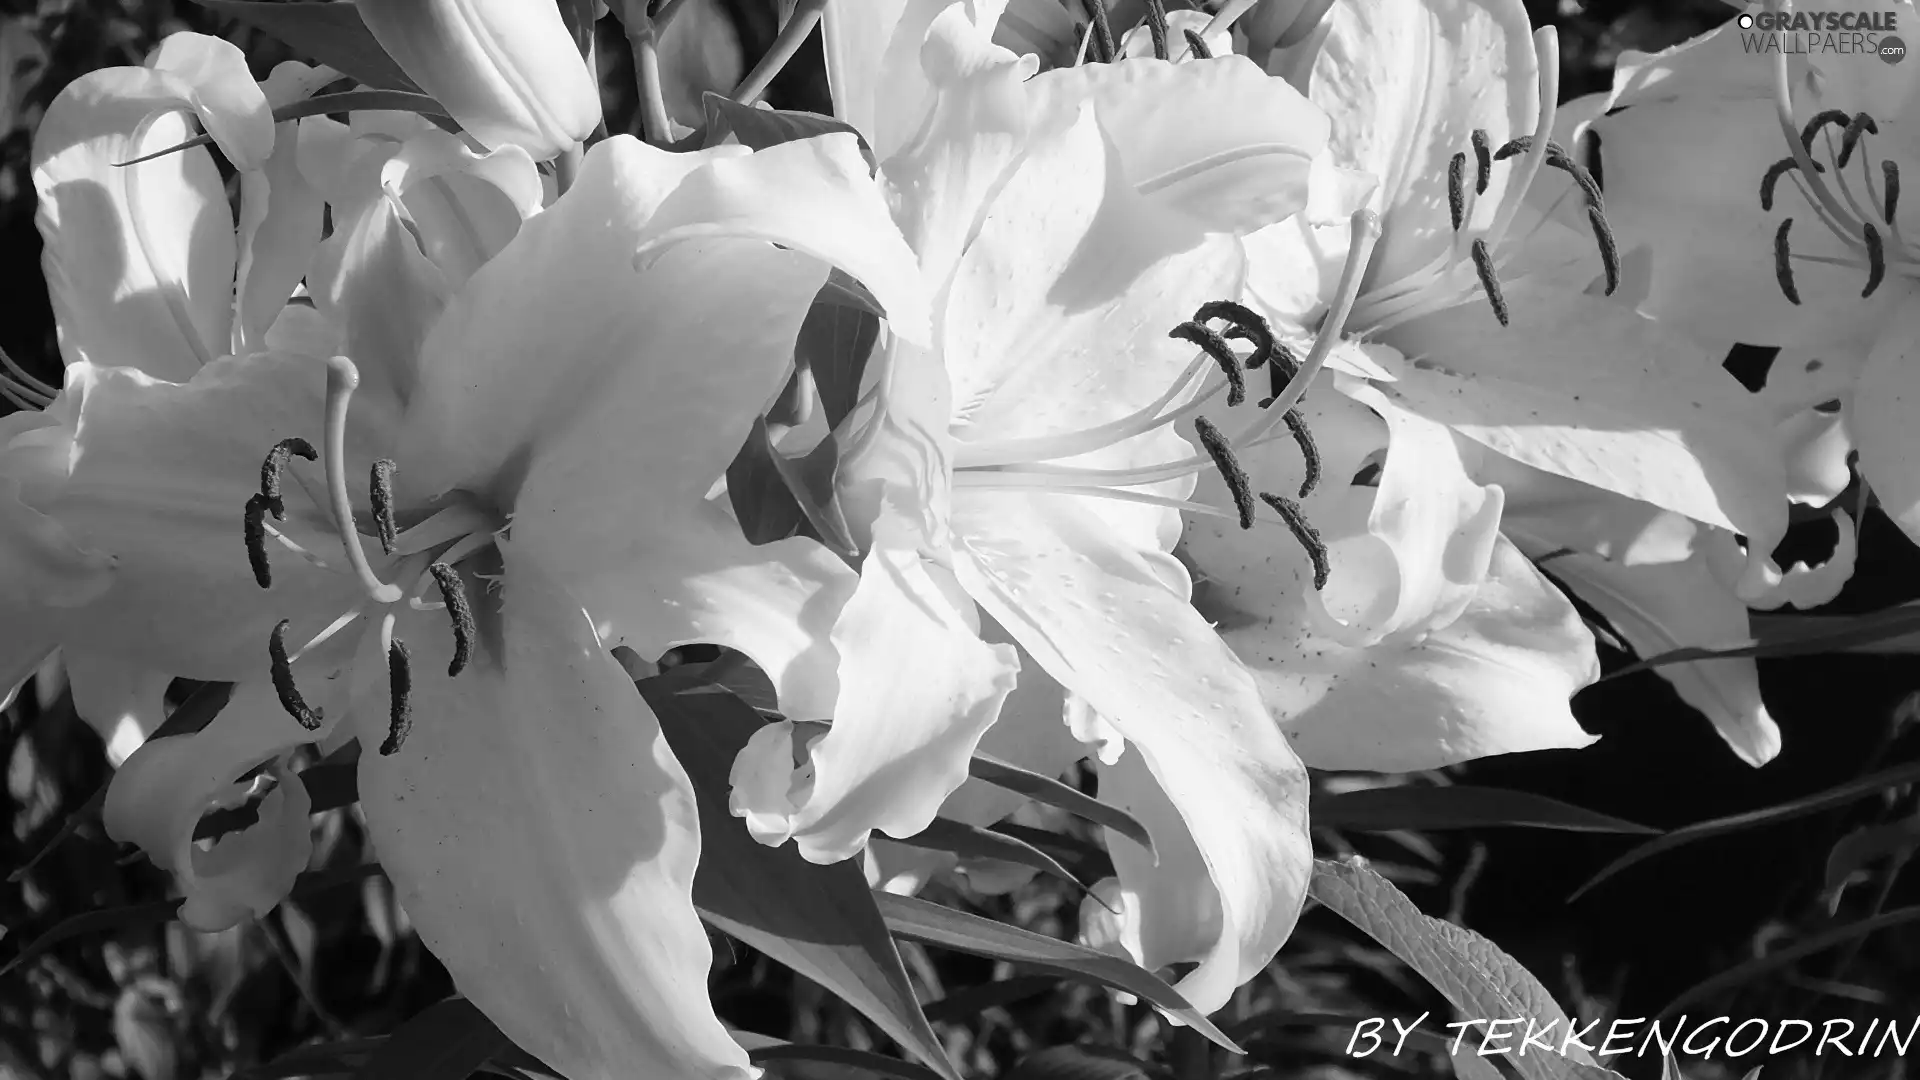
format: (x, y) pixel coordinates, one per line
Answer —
(230, 105)
(543, 839)
(508, 71)
(465, 207)
(1109, 629)
(1244, 167)
(41, 560)
(1169, 907)
(372, 282)
(874, 67)
(280, 220)
(139, 259)
(566, 290)
(156, 800)
(1405, 83)
(122, 702)
(1881, 420)
(160, 481)
(1592, 391)
(918, 688)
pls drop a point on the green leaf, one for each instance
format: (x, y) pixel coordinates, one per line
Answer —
(761, 128)
(1895, 630)
(775, 497)
(1084, 1063)
(159, 911)
(974, 842)
(1469, 971)
(733, 673)
(1786, 811)
(818, 920)
(1459, 807)
(932, 924)
(330, 33)
(1054, 793)
(962, 1005)
(345, 101)
(320, 1059)
(835, 342)
(1780, 958)
(445, 1041)
(1869, 845)
(845, 290)
(863, 1062)
(1088, 861)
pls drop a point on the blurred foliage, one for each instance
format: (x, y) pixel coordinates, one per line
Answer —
(159, 1002)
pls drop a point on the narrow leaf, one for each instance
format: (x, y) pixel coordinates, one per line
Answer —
(1088, 860)
(1459, 807)
(446, 1041)
(1054, 793)
(345, 101)
(775, 497)
(1084, 1063)
(1773, 961)
(330, 33)
(818, 920)
(866, 1062)
(1869, 845)
(1786, 811)
(1469, 971)
(1895, 630)
(920, 920)
(974, 842)
(835, 342)
(844, 290)
(966, 1004)
(344, 1056)
(761, 128)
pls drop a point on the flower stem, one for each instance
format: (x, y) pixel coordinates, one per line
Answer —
(643, 34)
(806, 15)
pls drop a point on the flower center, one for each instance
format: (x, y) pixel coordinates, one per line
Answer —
(427, 552)
(1480, 225)
(1863, 220)
(1032, 464)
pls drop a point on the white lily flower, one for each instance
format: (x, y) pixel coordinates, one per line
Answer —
(507, 70)
(1021, 482)
(547, 436)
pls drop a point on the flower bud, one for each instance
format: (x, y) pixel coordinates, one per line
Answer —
(507, 70)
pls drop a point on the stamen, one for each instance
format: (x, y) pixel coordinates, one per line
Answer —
(283, 685)
(1483, 161)
(400, 693)
(1157, 29)
(380, 494)
(1309, 451)
(1876, 261)
(1850, 138)
(454, 592)
(1801, 143)
(1216, 346)
(255, 531)
(1783, 262)
(1546, 46)
(1365, 225)
(1457, 190)
(1609, 250)
(1558, 158)
(342, 379)
(1890, 176)
(1772, 179)
(1831, 116)
(1102, 31)
(1304, 532)
(1286, 367)
(1215, 443)
(24, 380)
(1483, 265)
(275, 462)
(1198, 45)
(1248, 325)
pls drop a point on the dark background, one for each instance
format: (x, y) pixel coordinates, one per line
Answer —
(162, 1003)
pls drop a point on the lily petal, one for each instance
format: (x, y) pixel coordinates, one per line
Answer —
(120, 701)
(543, 839)
(231, 106)
(280, 220)
(1881, 420)
(873, 53)
(139, 259)
(156, 800)
(1108, 628)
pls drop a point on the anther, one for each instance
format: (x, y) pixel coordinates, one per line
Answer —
(1890, 177)
(1783, 261)
(1216, 445)
(1483, 161)
(282, 671)
(380, 495)
(400, 692)
(1772, 179)
(1304, 532)
(1457, 190)
(1483, 265)
(1157, 29)
(1609, 250)
(1309, 451)
(1850, 138)
(454, 592)
(1198, 45)
(1248, 325)
(1830, 116)
(1101, 46)
(256, 533)
(1211, 343)
(1558, 158)
(270, 469)
(1876, 261)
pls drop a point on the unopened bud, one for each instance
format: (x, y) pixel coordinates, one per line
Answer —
(507, 70)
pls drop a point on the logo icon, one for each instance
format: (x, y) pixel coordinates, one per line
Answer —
(1746, 22)
(1892, 49)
